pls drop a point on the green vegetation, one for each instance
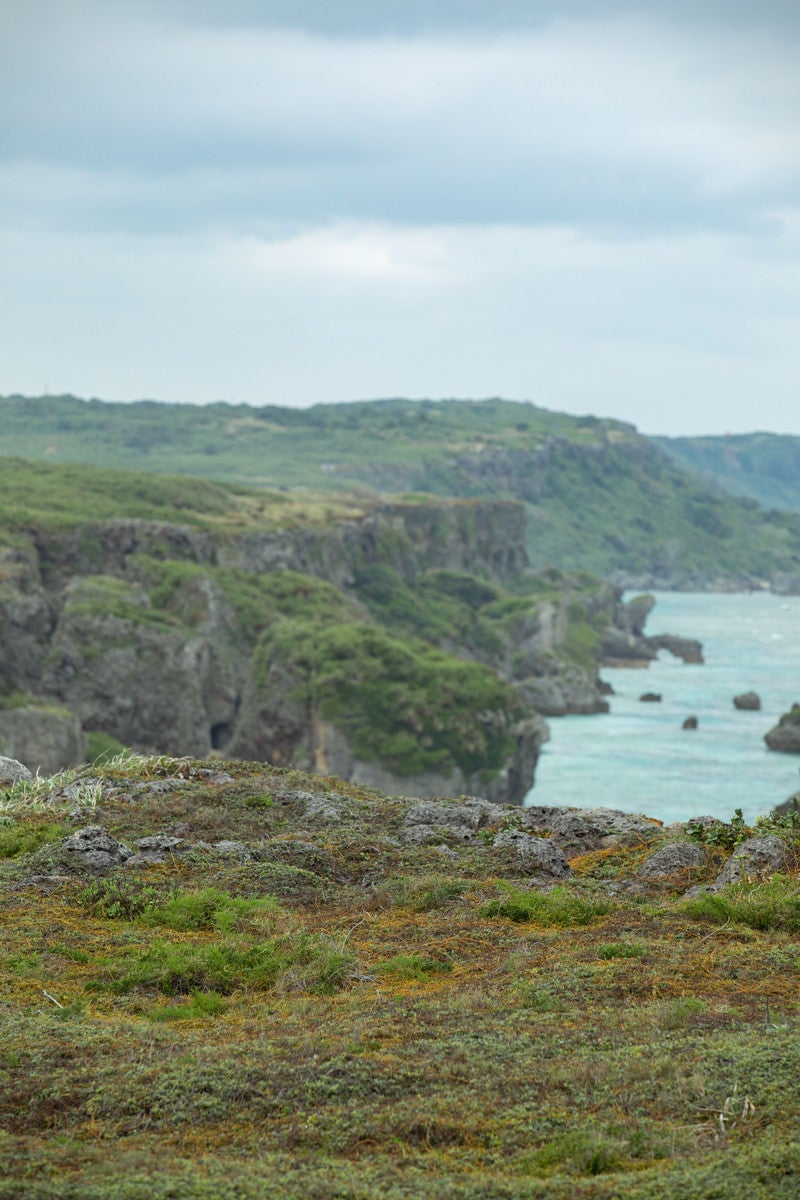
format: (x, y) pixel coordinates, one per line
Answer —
(402, 703)
(771, 905)
(20, 838)
(174, 1030)
(559, 907)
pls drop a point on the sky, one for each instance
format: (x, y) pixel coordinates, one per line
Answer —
(594, 206)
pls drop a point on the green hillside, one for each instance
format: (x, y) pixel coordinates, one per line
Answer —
(599, 496)
(765, 466)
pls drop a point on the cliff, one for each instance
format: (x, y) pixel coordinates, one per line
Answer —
(396, 643)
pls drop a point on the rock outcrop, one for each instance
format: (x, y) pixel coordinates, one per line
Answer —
(785, 736)
(747, 701)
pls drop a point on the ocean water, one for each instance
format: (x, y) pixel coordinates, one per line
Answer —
(638, 758)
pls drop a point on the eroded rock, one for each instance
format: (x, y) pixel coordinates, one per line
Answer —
(756, 859)
(427, 820)
(672, 860)
(532, 855)
(94, 849)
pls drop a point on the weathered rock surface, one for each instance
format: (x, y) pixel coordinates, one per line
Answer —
(532, 855)
(427, 820)
(48, 738)
(748, 701)
(756, 859)
(673, 859)
(157, 848)
(785, 736)
(12, 771)
(94, 849)
(582, 830)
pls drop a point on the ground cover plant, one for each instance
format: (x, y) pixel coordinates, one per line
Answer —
(390, 1020)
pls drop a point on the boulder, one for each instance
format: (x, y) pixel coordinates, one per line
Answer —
(785, 736)
(689, 723)
(755, 859)
(672, 860)
(94, 849)
(532, 855)
(651, 697)
(12, 772)
(748, 701)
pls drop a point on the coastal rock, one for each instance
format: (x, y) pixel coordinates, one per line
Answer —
(672, 860)
(619, 648)
(748, 701)
(755, 859)
(785, 736)
(688, 649)
(634, 613)
(12, 771)
(94, 849)
(690, 723)
(651, 697)
(532, 855)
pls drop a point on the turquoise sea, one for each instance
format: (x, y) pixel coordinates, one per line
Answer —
(639, 759)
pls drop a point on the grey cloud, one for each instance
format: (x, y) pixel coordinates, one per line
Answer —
(608, 125)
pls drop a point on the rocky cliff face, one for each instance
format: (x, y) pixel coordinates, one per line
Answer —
(180, 641)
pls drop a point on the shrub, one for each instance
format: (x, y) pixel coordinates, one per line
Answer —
(199, 1004)
(774, 904)
(25, 839)
(559, 907)
(411, 966)
(622, 950)
(209, 909)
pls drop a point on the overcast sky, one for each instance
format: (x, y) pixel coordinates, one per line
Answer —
(591, 205)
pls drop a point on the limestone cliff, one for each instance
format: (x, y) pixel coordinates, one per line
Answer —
(402, 647)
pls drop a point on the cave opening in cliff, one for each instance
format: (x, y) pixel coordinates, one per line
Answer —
(221, 735)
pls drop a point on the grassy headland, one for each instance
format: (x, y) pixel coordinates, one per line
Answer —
(297, 1001)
